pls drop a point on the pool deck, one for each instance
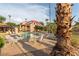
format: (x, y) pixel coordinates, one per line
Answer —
(23, 48)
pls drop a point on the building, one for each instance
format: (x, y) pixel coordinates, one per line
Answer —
(29, 25)
(4, 27)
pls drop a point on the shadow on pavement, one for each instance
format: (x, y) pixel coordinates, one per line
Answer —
(32, 51)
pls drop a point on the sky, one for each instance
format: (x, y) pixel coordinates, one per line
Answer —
(30, 11)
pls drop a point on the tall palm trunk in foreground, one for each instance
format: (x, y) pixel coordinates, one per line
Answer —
(63, 16)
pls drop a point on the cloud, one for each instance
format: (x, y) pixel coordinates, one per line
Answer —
(21, 11)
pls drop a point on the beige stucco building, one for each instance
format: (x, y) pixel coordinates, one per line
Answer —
(29, 25)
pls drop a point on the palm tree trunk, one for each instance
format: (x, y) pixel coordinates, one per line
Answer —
(63, 46)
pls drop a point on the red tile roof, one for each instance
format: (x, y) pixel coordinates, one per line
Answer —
(32, 21)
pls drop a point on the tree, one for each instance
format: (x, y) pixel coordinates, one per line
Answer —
(25, 18)
(39, 28)
(2, 18)
(46, 20)
(9, 17)
(11, 24)
(1, 43)
(51, 27)
(63, 34)
(76, 27)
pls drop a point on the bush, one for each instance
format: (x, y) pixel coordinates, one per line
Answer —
(11, 24)
(39, 28)
(1, 42)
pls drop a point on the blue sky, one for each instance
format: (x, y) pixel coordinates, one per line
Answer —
(38, 11)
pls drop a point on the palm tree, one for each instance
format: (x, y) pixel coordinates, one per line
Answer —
(25, 19)
(63, 34)
(9, 17)
(51, 26)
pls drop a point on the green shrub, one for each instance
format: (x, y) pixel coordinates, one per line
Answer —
(1, 42)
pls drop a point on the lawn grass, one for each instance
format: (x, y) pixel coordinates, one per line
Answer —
(75, 40)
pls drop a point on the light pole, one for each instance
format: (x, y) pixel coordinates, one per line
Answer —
(50, 12)
(49, 17)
